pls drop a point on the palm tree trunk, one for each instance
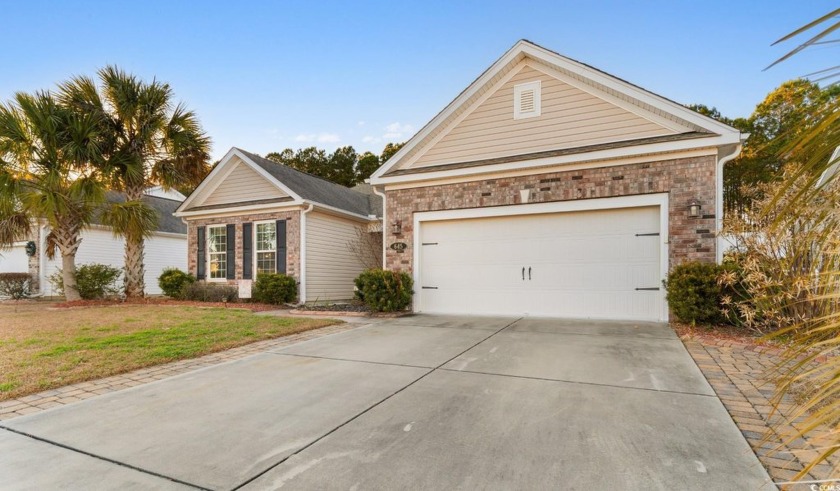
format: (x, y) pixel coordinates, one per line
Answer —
(134, 253)
(68, 276)
(67, 239)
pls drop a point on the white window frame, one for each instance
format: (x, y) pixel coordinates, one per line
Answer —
(256, 250)
(209, 274)
(518, 89)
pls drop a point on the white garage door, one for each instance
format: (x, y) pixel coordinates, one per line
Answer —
(602, 264)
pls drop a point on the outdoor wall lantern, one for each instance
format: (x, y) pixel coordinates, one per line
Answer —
(694, 209)
(396, 228)
(31, 249)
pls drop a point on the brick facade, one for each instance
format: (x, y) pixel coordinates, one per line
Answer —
(684, 179)
(292, 239)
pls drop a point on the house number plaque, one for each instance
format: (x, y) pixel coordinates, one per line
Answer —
(399, 246)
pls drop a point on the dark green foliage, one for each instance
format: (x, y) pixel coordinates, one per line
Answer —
(202, 291)
(16, 286)
(172, 281)
(384, 291)
(93, 281)
(274, 288)
(344, 166)
(694, 294)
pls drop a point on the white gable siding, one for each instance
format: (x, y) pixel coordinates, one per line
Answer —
(100, 246)
(330, 266)
(569, 118)
(242, 184)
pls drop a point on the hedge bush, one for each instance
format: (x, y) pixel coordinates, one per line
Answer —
(202, 291)
(695, 294)
(384, 291)
(172, 281)
(93, 281)
(16, 286)
(274, 288)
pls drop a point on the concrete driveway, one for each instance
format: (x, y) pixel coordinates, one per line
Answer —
(421, 402)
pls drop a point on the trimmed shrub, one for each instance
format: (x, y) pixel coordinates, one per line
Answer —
(383, 290)
(93, 281)
(172, 281)
(16, 286)
(694, 292)
(274, 288)
(202, 291)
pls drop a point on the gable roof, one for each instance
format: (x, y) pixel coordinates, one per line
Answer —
(678, 119)
(302, 187)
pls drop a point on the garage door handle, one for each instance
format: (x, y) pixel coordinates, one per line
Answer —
(529, 273)
(523, 273)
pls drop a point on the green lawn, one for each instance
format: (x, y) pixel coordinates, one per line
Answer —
(44, 348)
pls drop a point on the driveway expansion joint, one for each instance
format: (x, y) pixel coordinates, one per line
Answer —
(578, 382)
(371, 407)
(104, 459)
(350, 360)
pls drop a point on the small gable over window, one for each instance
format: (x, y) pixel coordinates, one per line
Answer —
(526, 100)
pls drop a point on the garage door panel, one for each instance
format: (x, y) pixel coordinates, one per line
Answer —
(582, 264)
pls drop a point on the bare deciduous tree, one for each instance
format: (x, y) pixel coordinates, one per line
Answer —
(366, 246)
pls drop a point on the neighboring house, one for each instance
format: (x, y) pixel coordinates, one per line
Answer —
(550, 188)
(167, 247)
(251, 215)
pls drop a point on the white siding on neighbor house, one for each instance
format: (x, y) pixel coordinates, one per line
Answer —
(14, 259)
(569, 118)
(100, 246)
(242, 184)
(330, 266)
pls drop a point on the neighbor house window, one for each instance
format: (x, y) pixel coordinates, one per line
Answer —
(266, 247)
(217, 251)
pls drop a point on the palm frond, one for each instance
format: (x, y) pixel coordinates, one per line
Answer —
(810, 42)
(130, 219)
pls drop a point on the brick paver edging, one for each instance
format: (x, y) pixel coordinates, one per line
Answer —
(73, 393)
(738, 373)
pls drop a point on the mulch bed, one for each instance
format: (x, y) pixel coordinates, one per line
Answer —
(724, 335)
(254, 307)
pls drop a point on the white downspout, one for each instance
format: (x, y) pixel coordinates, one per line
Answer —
(722, 160)
(303, 213)
(384, 223)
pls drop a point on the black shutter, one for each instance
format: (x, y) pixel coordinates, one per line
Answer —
(200, 257)
(281, 246)
(231, 252)
(247, 254)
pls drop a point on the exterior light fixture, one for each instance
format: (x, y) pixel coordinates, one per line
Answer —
(694, 209)
(396, 228)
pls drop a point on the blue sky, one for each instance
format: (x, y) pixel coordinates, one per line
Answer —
(269, 75)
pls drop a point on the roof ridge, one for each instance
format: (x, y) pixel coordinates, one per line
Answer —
(251, 154)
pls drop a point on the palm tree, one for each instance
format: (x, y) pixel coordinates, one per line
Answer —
(151, 141)
(48, 153)
(812, 359)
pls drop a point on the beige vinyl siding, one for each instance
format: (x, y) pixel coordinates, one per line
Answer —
(330, 266)
(242, 184)
(569, 118)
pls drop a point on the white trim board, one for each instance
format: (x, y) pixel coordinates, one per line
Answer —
(636, 201)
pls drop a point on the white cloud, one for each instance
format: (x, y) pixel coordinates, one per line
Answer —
(398, 131)
(318, 137)
(370, 139)
(360, 123)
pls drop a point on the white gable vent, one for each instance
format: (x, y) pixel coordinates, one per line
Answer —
(526, 100)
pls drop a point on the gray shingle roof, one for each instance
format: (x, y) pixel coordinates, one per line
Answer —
(319, 190)
(165, 208)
